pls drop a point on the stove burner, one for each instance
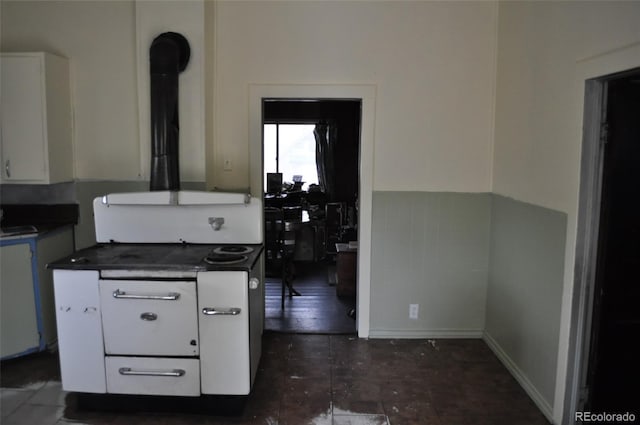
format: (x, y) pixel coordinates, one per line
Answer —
(223, 259)
(233, 249)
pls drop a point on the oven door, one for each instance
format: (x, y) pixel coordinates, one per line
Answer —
(153, 318)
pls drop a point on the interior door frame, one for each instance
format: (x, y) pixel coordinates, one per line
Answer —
(591, 167)
(587, 240)
(366, 94)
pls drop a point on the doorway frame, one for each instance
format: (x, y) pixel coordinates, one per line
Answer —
(593, 74)
(590, 195)
(366, 94)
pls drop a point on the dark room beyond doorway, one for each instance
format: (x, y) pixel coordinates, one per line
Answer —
(311, 153)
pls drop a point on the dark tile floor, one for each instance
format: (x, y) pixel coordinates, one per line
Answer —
(315, 379)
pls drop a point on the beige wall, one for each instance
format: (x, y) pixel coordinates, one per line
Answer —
(107, 43)
(99, 39)
(541, 48)
(432, 64)
(546, 50)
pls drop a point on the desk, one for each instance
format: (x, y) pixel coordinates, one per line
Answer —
(346, 264)
(284, 199)
(309, 239)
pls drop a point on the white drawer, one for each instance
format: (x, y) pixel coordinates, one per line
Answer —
(153, 376)
(156, 318)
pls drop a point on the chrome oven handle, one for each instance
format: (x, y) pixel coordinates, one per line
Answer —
(171, 296)
(213, 311)
(173, 373)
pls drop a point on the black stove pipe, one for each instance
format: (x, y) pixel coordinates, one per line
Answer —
(168, 56)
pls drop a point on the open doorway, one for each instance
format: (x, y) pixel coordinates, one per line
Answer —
(608, 252)
(613, 368)
(311, 157)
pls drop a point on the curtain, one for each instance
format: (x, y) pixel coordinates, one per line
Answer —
(325, 135)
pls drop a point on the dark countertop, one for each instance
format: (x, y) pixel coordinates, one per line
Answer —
(153, 257)
(43, 216)
(9, 234)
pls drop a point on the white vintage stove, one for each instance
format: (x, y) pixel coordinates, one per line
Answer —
(169, 302)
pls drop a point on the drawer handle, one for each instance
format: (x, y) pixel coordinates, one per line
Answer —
(148, 316)
(173, 373)
(171, 296)
(212, 311)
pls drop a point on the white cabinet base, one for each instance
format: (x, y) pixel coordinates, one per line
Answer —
(162, 337)
(18, 323)
(80, 338)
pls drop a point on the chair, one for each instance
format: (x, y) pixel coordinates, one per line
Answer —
(293, 198)
(317, 199)
(333, 226)
(279, 243)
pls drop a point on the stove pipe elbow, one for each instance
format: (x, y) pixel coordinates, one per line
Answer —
(168, 56)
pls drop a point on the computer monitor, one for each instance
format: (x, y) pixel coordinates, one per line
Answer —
(274, 182)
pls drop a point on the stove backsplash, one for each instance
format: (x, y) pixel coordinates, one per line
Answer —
(77, 192)
(60, 193)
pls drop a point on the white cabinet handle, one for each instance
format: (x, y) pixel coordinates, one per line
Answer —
(254, 283)
(212, 311)
(216, 222)
(171, 296)
(174, 373)
(7, 168)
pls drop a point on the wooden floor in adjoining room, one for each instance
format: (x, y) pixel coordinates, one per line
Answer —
(317, 310)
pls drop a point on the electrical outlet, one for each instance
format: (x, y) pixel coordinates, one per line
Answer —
(227, 165)
(413, 311)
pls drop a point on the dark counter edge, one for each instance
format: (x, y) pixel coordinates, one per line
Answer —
(43, 231)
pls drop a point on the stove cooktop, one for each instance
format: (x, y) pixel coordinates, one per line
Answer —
(174, 257)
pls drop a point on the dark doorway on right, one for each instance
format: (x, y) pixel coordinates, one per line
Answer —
(613, 375)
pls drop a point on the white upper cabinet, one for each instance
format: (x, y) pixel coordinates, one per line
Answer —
(36, 139)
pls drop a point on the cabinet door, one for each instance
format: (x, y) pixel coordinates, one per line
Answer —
(49, 248)
(80, 339)
(18, 325)
(23, 118)
(223, 316)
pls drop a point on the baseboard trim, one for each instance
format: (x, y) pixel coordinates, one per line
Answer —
(425, 333)
(519, 376)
